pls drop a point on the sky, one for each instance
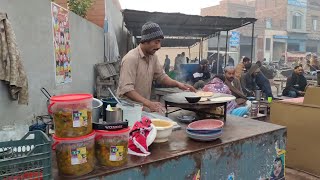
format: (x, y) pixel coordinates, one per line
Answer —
(182, 6)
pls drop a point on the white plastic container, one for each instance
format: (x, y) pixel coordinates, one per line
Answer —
(132, 114)
(164, 130)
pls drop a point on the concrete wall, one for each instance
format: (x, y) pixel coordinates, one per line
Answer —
(95, 14)
(115, 16)
(32, 24)
(110, 9)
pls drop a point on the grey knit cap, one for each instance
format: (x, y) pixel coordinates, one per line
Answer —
(151, 31)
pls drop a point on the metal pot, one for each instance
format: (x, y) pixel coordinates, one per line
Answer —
(96, 110)
(114, 116)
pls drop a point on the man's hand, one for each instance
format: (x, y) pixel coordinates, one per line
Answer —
(186, 87)
(156, 107)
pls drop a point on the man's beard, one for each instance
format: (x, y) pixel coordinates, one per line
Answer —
(152, 52)
(230, 79)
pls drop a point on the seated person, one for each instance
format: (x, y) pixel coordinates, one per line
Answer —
(248, 81)
(216, 85)
(264, 84)
(296, 84)
(234, 85)
(268, 73)
(256, 81)
(201, 75)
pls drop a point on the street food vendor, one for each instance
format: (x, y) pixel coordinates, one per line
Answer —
(140, 66)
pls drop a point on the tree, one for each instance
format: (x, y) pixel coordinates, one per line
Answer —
(80, 7)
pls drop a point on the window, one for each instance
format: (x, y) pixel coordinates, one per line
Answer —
(314, 23)
(268, 23)
(241, 14)
(268, 43)
(297, 21)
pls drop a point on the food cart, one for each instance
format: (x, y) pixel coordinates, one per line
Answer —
(246, 150)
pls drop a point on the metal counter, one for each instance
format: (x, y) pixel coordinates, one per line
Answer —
(246, 150)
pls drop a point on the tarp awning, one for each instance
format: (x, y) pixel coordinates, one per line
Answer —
(177, 24)
(179, 42)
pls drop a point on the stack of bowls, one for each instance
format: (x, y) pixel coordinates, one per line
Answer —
(205, 130)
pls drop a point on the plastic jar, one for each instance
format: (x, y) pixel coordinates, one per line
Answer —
(75, 156)
(112, 147)
(132, 113)
(72, 114)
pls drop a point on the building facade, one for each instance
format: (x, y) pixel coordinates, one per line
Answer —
(284, 27)
(291, 27)
(234, 8)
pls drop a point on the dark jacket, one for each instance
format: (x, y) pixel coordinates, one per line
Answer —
(295, 83)
(205, 72)
(267, 72)
(248, 81)
(264, 84)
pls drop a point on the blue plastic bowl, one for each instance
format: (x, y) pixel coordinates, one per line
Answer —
(213, 131)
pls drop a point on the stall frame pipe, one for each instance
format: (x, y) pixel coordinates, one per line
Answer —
(252, 41)
(227, 50)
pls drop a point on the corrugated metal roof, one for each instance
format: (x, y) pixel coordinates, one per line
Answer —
(177, 24)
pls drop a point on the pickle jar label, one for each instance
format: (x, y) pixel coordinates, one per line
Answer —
(116, 153)
(80, 118)
(78, 156)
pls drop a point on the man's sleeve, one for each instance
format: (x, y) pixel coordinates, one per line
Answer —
(159, 73)
(239, 86)
(128, 75)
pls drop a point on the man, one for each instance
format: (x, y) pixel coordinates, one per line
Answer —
(183, 58)
(264, 84)
(260, 81)
(248, 81)
(234, 85)
(241, 67)
(201, 75)
(268, 73)
(177, 62)
(296, 84)
(141, 66)
(166, 65)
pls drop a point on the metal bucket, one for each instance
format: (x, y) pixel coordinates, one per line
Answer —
(96, 110)
(114, 116)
